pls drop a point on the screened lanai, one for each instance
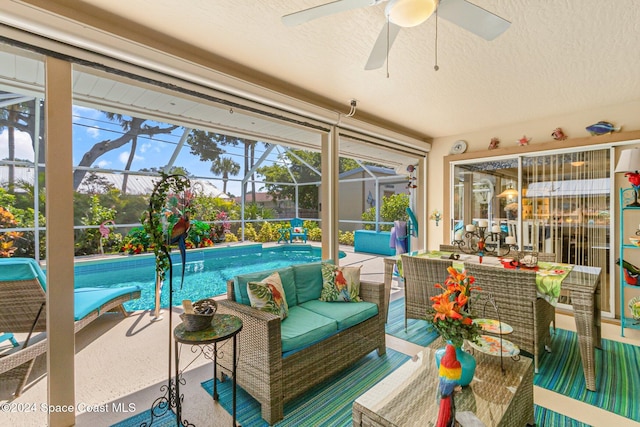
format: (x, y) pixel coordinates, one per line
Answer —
(128, 128)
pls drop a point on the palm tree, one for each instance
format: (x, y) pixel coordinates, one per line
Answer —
(225, 166)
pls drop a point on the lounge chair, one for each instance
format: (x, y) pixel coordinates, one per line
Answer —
(297, 229)
(23, 310)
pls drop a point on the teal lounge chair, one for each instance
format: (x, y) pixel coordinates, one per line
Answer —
(297, 229)
(23, 310)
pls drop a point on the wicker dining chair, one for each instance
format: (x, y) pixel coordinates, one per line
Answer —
(420, 276)
(515, 296)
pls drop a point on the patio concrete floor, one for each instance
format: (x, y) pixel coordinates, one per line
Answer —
(125, 361)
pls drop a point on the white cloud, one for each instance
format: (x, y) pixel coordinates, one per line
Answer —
(124, 156)
(93, 131)
(24, 148)
(89, 113)
(144, 147)
(103, 164)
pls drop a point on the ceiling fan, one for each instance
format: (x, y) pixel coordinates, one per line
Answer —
(409, 13)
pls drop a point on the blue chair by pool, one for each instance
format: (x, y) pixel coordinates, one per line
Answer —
(23, 310)
(297, 229)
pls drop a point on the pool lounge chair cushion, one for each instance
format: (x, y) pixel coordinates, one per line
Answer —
(87, 300)
(23, 300)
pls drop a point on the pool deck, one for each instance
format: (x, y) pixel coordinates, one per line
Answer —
(125, 360)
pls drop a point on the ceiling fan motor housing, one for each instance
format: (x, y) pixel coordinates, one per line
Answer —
(409, 13)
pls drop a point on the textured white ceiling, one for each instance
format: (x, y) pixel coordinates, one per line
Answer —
(558, 57)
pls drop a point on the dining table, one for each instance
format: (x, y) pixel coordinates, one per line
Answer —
(582, 283)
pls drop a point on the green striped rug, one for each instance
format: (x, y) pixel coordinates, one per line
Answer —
(617, 374)
(327, 404)
(546, 417)
(168, 419)
(418, 331)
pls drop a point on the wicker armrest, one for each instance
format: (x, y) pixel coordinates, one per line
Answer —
(259, 341)
(374, 292)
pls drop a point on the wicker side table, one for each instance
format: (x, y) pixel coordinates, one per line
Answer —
(409, 395)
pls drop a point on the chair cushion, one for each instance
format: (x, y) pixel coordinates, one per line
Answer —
(268, 295)
(303, 327)
(87, 300)
(347, 315)
(308, 279)
(286, 278)
(340, 283)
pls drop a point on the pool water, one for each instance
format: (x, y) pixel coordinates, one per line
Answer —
(206, 271)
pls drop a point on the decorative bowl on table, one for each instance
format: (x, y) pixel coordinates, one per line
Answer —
(200, 319)
(529, 260)
(635, 240)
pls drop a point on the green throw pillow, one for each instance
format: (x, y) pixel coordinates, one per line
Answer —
(340, 283)
(268, 295)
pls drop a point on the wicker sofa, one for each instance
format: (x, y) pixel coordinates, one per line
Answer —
(270, 367)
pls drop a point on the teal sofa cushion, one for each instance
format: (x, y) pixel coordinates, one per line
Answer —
(303, 327)
(308, 278)
(286, 277)
(347, 314)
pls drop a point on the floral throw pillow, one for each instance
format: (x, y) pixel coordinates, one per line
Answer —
(268, 295)
(340, 283)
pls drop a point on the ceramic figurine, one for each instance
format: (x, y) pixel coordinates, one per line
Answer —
(602, 128)
(494, 143)
(558, 135)
(449, 372)
(524, 140)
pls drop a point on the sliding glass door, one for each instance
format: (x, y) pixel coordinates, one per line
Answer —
(557, 203)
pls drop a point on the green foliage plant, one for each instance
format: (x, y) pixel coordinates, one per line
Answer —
(88, 240)
(393, 208)
(250, 233)
(266, 233)
(346, 237)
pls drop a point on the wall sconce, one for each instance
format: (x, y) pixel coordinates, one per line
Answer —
(436, 216)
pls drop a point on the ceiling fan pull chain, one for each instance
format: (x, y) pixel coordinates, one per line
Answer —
(435, 67)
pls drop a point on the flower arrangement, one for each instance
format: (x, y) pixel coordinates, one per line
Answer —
(449, 313)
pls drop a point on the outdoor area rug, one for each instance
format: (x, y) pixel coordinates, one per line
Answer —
(546, 417)
(166, 420)
(327, 404)
(418, 331)
(617, 374)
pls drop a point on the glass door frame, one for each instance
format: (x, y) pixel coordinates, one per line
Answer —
(450, 165)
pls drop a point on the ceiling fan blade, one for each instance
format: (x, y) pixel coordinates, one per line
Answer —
(473, 18)
(378, 54)
(326, 9)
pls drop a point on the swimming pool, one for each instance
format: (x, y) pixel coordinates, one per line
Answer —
(206, 272)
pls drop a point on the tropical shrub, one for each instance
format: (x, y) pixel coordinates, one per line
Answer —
(136, 241)
(267, 233)
(250, 233)
(8, 239)
(394, 208)
(230, 238)
(314, 234)
(345, 237)
(89, 240)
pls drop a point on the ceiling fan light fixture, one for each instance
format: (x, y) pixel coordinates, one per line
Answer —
(409, 13)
